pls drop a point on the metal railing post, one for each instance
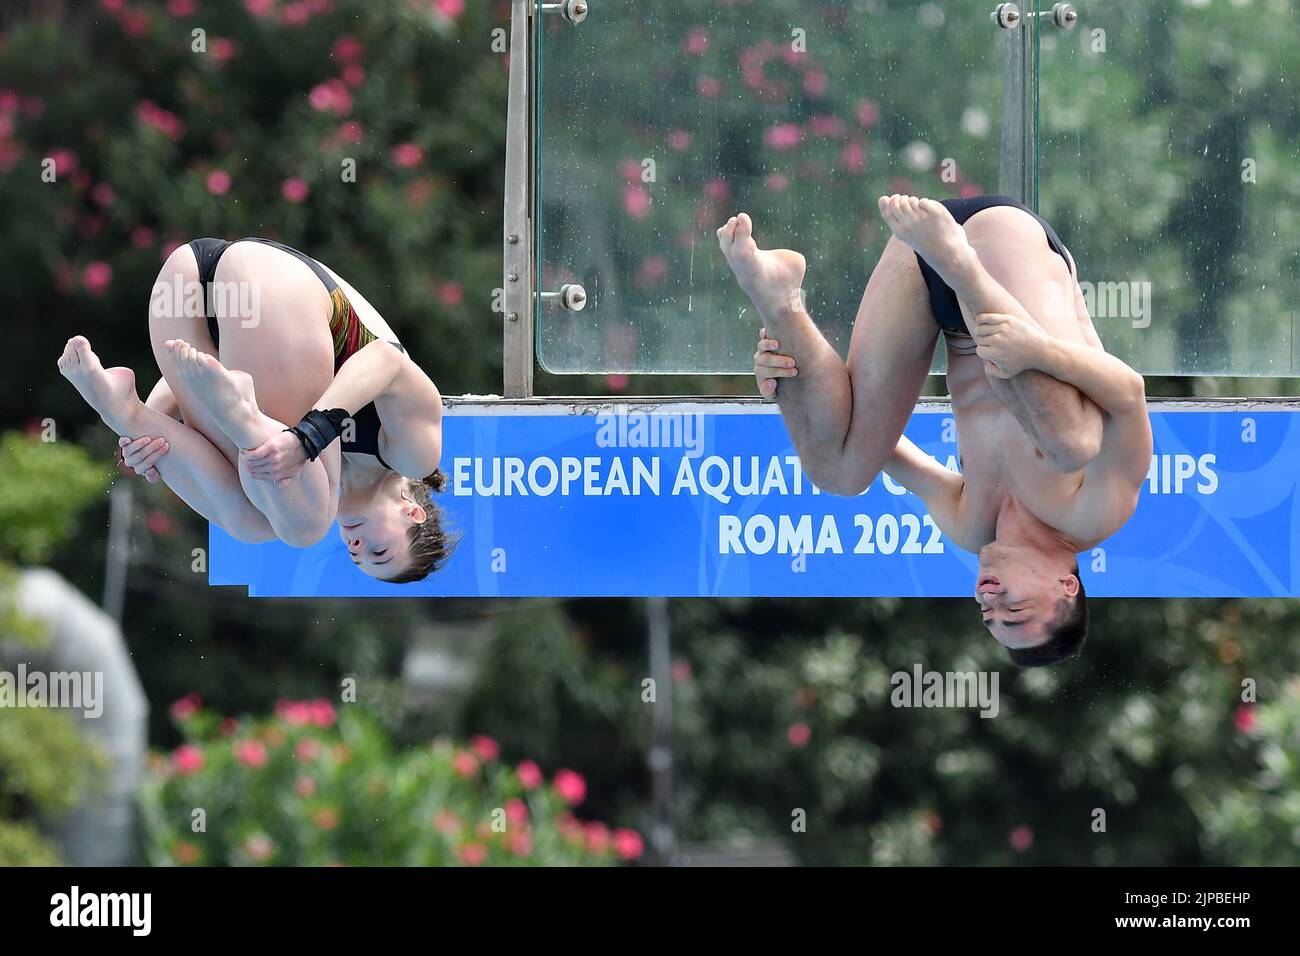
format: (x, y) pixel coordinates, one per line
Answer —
(518, 278)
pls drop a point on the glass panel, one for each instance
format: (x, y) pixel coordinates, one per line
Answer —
(659, 120)
(1170, 138)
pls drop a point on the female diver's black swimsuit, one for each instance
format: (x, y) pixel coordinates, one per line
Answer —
(347, 330)
(943, 300)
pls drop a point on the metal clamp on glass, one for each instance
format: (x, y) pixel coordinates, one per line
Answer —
(571, 295)
(1007, 16)
(1062, 15)
(575, 11)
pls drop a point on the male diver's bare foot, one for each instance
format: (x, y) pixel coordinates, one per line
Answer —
(227, 394)
(770, 277)
(928, 227)
(109, 391)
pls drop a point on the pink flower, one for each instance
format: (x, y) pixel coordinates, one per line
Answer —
(777, 182)
(472, 854)
(228, 725)
(347, 49)
(294, 190)
(296, 14)
(222, 49)
(187, 759)
(295, 713)
(868, 113)
(636, 201)
(697, 43)
(97, 277)
(1244, 718)
(451, 9)
(570, 829)
(164, 121)
(321, 713)
(186, 707)
(597, 837)
(251, 753)
(520, 843)
(799, 735)
(783, 136)
(259, 846)
(827, 125)
(103, 194)
(141, 236)
(326, 818)
(530, 775)
(516, 811)
(681, 671)
(407, 155)
(616, 382)
(350, 132)
(854, 157)
(218, 182)
(181, 8)
(259, 8)
(571, 786)
(65, 160)
(653, 269)
(1022, 838)
(628, 844)
(135, 23)
(331, 96)
(305, 787)
(708, 87)
(970, 190)
(717, 189)
(452, 294)
(112, 6)
(814, 83)
(679, 139)
(306, 750)
(486, 748)
(354, 74)
(464, 763)
(446, 822)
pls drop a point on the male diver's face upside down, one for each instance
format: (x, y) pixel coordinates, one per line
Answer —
(1020, 590)
(375, 522)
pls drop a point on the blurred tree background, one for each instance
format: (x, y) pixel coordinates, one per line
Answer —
(780, 706)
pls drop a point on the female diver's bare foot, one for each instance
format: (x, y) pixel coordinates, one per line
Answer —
(227, 394)
(109, 391)
(770, 277)
(928, 227)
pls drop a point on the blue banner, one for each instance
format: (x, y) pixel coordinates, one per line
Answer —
(709, 501)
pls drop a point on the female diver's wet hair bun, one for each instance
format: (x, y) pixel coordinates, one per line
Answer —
(437, 481)
(430, 543)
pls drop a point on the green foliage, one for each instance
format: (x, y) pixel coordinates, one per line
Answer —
(45, 486)
(1255, 818)
(45, 766)
(302, 788)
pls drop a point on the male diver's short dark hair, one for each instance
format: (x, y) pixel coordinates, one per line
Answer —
(1068, 632)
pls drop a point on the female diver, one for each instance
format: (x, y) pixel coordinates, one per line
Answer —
(251, 335)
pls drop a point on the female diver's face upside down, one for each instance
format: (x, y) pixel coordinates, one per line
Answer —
(375, 523)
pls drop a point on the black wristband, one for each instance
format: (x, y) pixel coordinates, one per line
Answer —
(318, 429)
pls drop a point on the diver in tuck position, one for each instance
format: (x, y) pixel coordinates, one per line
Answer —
(1053, 434)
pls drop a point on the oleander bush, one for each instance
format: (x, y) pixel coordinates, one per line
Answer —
(312, 786)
